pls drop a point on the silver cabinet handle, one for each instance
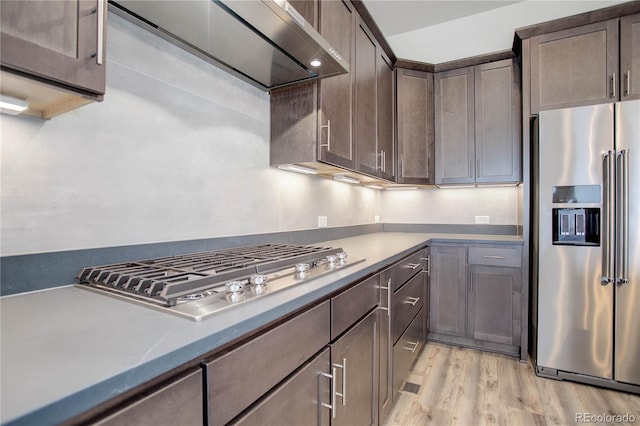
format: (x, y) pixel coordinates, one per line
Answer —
(333, 393)
(428, 264)
(388, 290)
(622, 208)
(384, 159)
(413, 265)
(401, 168)
(328, 144)
(102, 4)
(343, 394)
(412, 300)
(613, 85)
(607, 171)
(627, 76)
(415, 346)
(489, 256)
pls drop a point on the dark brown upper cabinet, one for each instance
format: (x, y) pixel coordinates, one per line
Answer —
(386, 107)
(53, 53)
(365, 106)
(415, 127)
(574, 67)
(313, 121)
(630, 57)
(335, 116)
(373, 137)
(477, 124)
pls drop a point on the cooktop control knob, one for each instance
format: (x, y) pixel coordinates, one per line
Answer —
(331, 258)
(235, 291)
(342, 257)
(301, 268)
(259, 280)
(258, 283)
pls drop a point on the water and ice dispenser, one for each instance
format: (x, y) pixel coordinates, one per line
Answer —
(578, 226)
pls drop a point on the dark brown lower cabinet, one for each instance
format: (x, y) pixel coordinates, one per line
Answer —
(406, 350)
(385, 390)
(448, 288)
(298, 401)
(242, 376)
(179, 403)
(355, 370)
(477, 303)
(494, 304)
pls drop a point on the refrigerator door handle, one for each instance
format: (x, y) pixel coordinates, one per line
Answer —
(607, 231)
(622, 222)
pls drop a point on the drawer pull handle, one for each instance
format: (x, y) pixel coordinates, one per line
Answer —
(493, 257)
(333, 393)
(415, 346)
(388, 290)
(343, 394)
(413, 265)
(412, 300)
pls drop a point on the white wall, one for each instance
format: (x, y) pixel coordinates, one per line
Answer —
(179, 150)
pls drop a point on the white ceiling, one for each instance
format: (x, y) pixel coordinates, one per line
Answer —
(436, 31)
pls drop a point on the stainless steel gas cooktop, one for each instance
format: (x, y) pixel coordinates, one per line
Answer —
(198, 285)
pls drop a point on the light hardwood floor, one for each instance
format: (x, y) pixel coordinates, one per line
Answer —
(460, 386)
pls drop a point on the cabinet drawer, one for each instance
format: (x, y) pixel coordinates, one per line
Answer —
(406, 268)
(242, 376)
(406, 303)
(406, 350)
(351, 305)
(178, 403)
(510, 256)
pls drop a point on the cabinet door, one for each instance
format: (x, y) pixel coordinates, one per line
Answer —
(366, 138)
(575, 67)
(494, 304)
(385, 117)
(179, 403)
(630, 56)
(415, 127)
(56, 40)
(454, 129)
(353, 357)
(298, 400)
(448, 286)
(337, 26)
(497, 117)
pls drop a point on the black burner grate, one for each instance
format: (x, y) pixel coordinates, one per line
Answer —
(165, 279)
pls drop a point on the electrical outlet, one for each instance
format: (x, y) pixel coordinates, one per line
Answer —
(322, 221)
(376, 219)
(482, 220)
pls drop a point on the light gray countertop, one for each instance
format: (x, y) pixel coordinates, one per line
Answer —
(66, 349)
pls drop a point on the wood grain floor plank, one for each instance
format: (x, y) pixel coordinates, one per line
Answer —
(461, 386)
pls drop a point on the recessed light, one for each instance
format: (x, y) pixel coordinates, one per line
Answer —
(347, 179)
(315, 63)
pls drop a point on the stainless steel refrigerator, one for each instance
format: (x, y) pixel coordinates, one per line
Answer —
(587, 205)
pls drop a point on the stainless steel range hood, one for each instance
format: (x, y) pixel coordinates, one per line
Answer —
(265, 42)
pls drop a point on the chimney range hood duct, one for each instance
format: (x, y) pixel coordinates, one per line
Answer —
(265, 42)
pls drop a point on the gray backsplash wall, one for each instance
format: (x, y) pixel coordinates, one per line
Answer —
(178, 150)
